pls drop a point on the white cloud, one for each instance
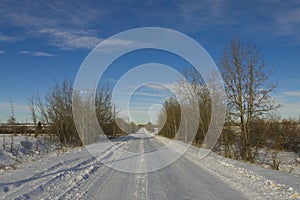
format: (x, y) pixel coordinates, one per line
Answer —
(163, 87)
(111, 44)
(2, 52)
(36, 53)
(35, 17)
(6, 38)
(85, 39)
(70, 40)
(293, 93)
(41, 14)
(155, 86)
(148, 94)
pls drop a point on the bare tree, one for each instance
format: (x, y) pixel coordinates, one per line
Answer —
(12, 122)
(59, 113)
(105, 114)
(171, 115)
(42, 110)
(248, 89)
(193, 89)
(86, 122)
(32, 109)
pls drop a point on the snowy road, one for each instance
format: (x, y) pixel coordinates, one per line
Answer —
(77, 175)
(181, 180)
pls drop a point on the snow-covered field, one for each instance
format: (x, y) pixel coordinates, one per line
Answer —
(78, 175)
(288, 161)
(65, 176)
(24, 149)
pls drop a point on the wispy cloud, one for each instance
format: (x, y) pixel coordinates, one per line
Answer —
(283, 20)
(162, 87)
(33, 18)
(267, 19)
(111, 44)
(155, 86)
(6, 38)
(36, 14)
(85, 39)
(37, 53)
(70, 40)
(2, 52)
(216, 12)
(148, 94)
(293, 93)
(288, 22)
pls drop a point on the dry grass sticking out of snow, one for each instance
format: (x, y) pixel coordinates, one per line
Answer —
(19, 149)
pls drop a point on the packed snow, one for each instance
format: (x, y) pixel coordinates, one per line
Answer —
(255, 181)
(78, 175)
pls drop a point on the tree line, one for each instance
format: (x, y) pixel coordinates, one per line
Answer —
(52, 115)
(251, 120)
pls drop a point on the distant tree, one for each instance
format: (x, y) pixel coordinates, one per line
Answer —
(12, 119)
(12, 122)
(150, 127)
(248, 89)
(133, 127)
(171, 116)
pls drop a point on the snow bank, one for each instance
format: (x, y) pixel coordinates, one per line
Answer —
(254, 181)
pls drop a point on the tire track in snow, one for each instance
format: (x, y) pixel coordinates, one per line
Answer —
(80, 190)
(92, 188)
(16, 187)
(51, 188)
(141, 179)
(66, 177)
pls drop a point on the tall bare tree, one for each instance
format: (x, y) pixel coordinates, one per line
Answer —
(248, 89)
(42, 110)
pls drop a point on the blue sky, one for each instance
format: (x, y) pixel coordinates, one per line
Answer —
(42, 42)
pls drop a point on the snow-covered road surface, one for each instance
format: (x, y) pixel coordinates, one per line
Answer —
(78, 175)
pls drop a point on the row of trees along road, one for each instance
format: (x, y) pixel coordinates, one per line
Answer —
(249, 102)
(55, 111)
